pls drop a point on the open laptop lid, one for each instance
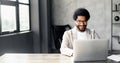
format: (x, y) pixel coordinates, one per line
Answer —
(90, 50)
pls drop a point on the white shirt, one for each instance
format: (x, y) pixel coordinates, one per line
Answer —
(82, 35)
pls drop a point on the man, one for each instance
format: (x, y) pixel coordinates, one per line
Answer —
(81, 17)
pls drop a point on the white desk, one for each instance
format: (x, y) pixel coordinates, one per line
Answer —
(35, 58)
(38, 58)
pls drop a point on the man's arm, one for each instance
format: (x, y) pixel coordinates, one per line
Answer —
(65, 45)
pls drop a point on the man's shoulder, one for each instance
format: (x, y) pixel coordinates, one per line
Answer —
(91, 31)
(68, 31)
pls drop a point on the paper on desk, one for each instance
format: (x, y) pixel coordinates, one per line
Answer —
(114, 58)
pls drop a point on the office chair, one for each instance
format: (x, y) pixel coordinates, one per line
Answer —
(58, 31)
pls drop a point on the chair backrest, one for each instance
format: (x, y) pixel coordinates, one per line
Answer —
(58, 31)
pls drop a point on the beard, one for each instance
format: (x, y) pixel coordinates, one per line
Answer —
(81, 27)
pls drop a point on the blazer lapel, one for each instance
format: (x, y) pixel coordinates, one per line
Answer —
(89, 36)
(74, 31)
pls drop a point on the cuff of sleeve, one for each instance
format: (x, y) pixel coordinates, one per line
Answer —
(66, 51)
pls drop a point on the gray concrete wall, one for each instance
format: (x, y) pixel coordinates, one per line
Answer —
(62, 11)
(100, 11)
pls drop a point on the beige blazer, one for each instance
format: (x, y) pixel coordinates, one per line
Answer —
(68, 38)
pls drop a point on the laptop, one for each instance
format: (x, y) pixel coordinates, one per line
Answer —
(90, 50)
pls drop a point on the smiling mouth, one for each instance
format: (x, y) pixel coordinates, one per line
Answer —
(82, 28)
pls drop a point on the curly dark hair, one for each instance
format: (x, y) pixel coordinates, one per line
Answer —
(81, 12)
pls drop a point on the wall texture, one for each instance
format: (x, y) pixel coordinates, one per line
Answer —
(100, 11)
(62, 11)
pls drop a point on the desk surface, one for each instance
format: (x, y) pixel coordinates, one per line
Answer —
(35, 58)
(38, 58)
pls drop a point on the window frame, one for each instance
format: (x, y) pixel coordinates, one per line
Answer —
(16, 4)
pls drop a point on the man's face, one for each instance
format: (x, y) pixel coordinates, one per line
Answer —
(81, 23)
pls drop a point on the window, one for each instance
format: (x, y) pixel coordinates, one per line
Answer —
(24, 17)
(24, 1)
(12, 0)
(8, 20)
(14, 16)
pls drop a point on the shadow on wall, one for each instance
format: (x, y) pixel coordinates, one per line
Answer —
(16, 43)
